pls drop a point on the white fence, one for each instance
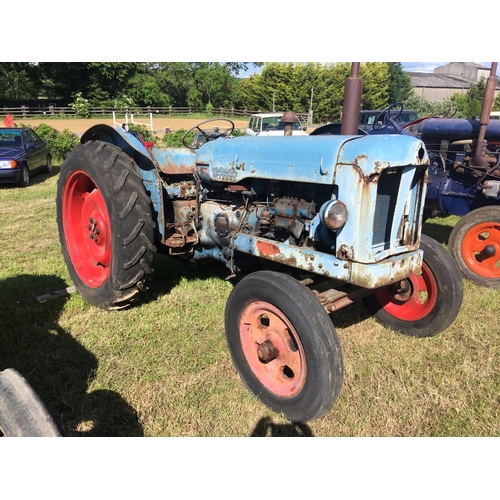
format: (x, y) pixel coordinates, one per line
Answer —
(150, 124)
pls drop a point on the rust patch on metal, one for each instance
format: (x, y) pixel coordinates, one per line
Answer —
(172, 168)
(235, 188)
(267, 248)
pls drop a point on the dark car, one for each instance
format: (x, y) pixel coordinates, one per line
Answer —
(22, 154)
(402, 116)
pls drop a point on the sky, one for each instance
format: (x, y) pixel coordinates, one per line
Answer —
(421, 67)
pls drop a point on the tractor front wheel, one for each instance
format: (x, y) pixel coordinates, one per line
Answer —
(284, 345)
(475, 244)
(424, 304)
(105, 225)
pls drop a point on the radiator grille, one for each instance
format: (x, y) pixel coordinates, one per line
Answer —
(387, 195)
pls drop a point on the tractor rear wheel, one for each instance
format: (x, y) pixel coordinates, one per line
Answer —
(284, 345)
(105, 226)
(424, 304)
(475, 244)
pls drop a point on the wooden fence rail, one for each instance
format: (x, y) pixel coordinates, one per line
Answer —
(96, 112)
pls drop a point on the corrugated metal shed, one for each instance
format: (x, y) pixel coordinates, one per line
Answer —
(448, 80)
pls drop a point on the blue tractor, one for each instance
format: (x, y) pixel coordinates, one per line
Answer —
(464, 180)
(304, 225)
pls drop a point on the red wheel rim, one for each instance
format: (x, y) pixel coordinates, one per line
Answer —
(481, 249)
(87, 229)
(412, 299)
(273, 349)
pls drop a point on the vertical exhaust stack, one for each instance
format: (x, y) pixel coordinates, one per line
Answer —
(489, 95)
(352, 102)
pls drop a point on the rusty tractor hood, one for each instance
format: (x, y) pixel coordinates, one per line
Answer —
(311, 159)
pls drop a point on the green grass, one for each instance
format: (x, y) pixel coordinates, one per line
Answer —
(162, 368)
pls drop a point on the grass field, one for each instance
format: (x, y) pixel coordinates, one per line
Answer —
(162, 368)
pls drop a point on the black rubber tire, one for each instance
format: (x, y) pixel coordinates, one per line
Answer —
(447, 289)
(24, 177)
(131, 226)
(464, 228)
(22, 413)
(321, 351)
(48, 167)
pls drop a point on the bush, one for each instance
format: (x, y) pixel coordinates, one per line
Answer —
(81, 106)
(174, 139)
(59, 143)
(237, 132)
(147, 135)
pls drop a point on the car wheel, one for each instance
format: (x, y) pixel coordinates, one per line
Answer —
(48, 167)
(24, 177)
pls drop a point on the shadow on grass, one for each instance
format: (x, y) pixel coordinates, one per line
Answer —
(35, 178)
(57, 367)
(169, 272)
(439, 232)
(265, 427)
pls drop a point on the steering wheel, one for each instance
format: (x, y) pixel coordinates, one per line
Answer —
(449, 113)
(385, 118)
(208, 136)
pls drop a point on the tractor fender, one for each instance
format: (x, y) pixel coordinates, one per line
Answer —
(139, 151)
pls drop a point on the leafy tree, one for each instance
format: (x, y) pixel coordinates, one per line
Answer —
(496, 102)
(212, 84)
(284, 86)
(429, 108)
(18, 80)
(95, 81)
(375, 77)
(64, 80)
(469, 105)
(148, 89)
(235, 68)
(400, 88)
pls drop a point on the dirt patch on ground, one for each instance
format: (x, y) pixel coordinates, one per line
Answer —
(79, 126)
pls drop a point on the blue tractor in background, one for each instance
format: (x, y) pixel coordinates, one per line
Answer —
(464, 180)
(304, 226)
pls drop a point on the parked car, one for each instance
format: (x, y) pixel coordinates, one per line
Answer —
(271, 124)
(402, 116)
(22, 154)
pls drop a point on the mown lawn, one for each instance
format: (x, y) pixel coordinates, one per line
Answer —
(162, 368)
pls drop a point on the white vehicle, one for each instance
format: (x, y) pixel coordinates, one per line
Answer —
(271, 124)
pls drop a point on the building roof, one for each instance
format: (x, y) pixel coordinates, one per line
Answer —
(438, 80)
(471, 64)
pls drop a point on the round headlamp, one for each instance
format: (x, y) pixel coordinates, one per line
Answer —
(334, 215)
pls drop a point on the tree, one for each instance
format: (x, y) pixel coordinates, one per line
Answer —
(469, 105)
(148, 90)
(375, 77)
(400, 88)
(18, 80)
(213, 85)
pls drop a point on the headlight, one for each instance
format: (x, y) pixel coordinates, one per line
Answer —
(8, 164)
(334, 214)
